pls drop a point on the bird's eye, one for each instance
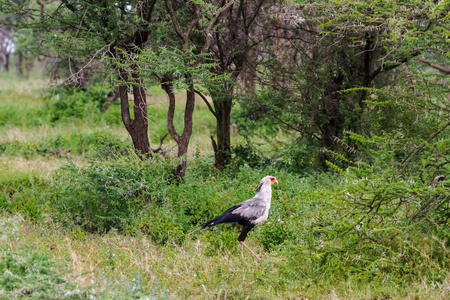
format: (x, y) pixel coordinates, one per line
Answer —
(272, 179)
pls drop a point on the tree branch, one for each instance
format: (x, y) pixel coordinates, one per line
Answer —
(420, 148)
(159, 149)
(168, 88)
(207, 103)
(174, 20)
(436, 66)
(386, 68)
(211, 23)
(190, 26)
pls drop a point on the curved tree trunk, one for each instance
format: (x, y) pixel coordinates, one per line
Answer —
(183, 139)
(138, 127)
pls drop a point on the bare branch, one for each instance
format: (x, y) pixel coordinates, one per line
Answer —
(191, 25)
(208, 30)
(436, 66)
(206, 101)
(175, 23)
(160, 149)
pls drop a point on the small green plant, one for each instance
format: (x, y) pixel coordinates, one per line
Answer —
(273, 234)
(29, 273)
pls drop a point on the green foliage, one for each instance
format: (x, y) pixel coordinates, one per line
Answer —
(88, 105)
(246, 155)
(400, 184)
(30, 275)
(22, 192)
(275, 233)
(131, 195)
(314, 236)
(30, 271)
(378, 228)
(16, 111)
(100, 143)
(27, 273)
(105, 195)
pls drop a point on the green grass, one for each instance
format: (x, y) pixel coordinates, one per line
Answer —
(41, 260)
(301, 257)
(95, 223)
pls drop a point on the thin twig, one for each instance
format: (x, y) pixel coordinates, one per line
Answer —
(420, 148)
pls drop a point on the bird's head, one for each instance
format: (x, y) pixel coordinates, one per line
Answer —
(268, 180)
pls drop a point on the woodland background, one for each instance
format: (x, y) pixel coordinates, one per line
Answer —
(126, 124)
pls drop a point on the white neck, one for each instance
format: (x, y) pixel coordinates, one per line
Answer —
(265, 192)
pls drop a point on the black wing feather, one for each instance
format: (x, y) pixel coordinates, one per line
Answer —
(226, 217)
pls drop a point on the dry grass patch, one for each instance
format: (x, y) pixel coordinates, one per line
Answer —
(42, 167)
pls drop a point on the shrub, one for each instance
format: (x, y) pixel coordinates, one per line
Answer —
(106, 195)
(99, 143)
(79, 104)
(273, 234)
(22, 192)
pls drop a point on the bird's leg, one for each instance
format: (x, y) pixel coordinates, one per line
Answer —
(251, 251)
(242, 251)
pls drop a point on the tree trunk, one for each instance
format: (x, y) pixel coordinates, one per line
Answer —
(7, 62)
(223, 112)
(138, 127)
(19, 64)
(80, 75)
(183, 139)
(222, 99)
(333, 126)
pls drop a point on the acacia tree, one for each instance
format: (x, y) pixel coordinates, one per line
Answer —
(122, 27)
(342, 52)
(88, 30)
(180, 62)
(238, 32)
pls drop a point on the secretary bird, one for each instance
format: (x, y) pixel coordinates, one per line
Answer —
(249, 213)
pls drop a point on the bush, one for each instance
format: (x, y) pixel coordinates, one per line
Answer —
(22, 192)
(273, 234)
(21, 115)
(100, 143)
(106, 195)
(78, 104)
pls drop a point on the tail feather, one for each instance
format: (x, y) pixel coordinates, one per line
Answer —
(227, 217)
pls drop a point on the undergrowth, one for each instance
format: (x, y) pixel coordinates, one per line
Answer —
(107, 224)
(312, 237)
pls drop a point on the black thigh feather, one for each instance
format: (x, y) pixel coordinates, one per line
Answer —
(247, 227)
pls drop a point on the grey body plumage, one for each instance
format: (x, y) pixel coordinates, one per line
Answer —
(249, 213)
